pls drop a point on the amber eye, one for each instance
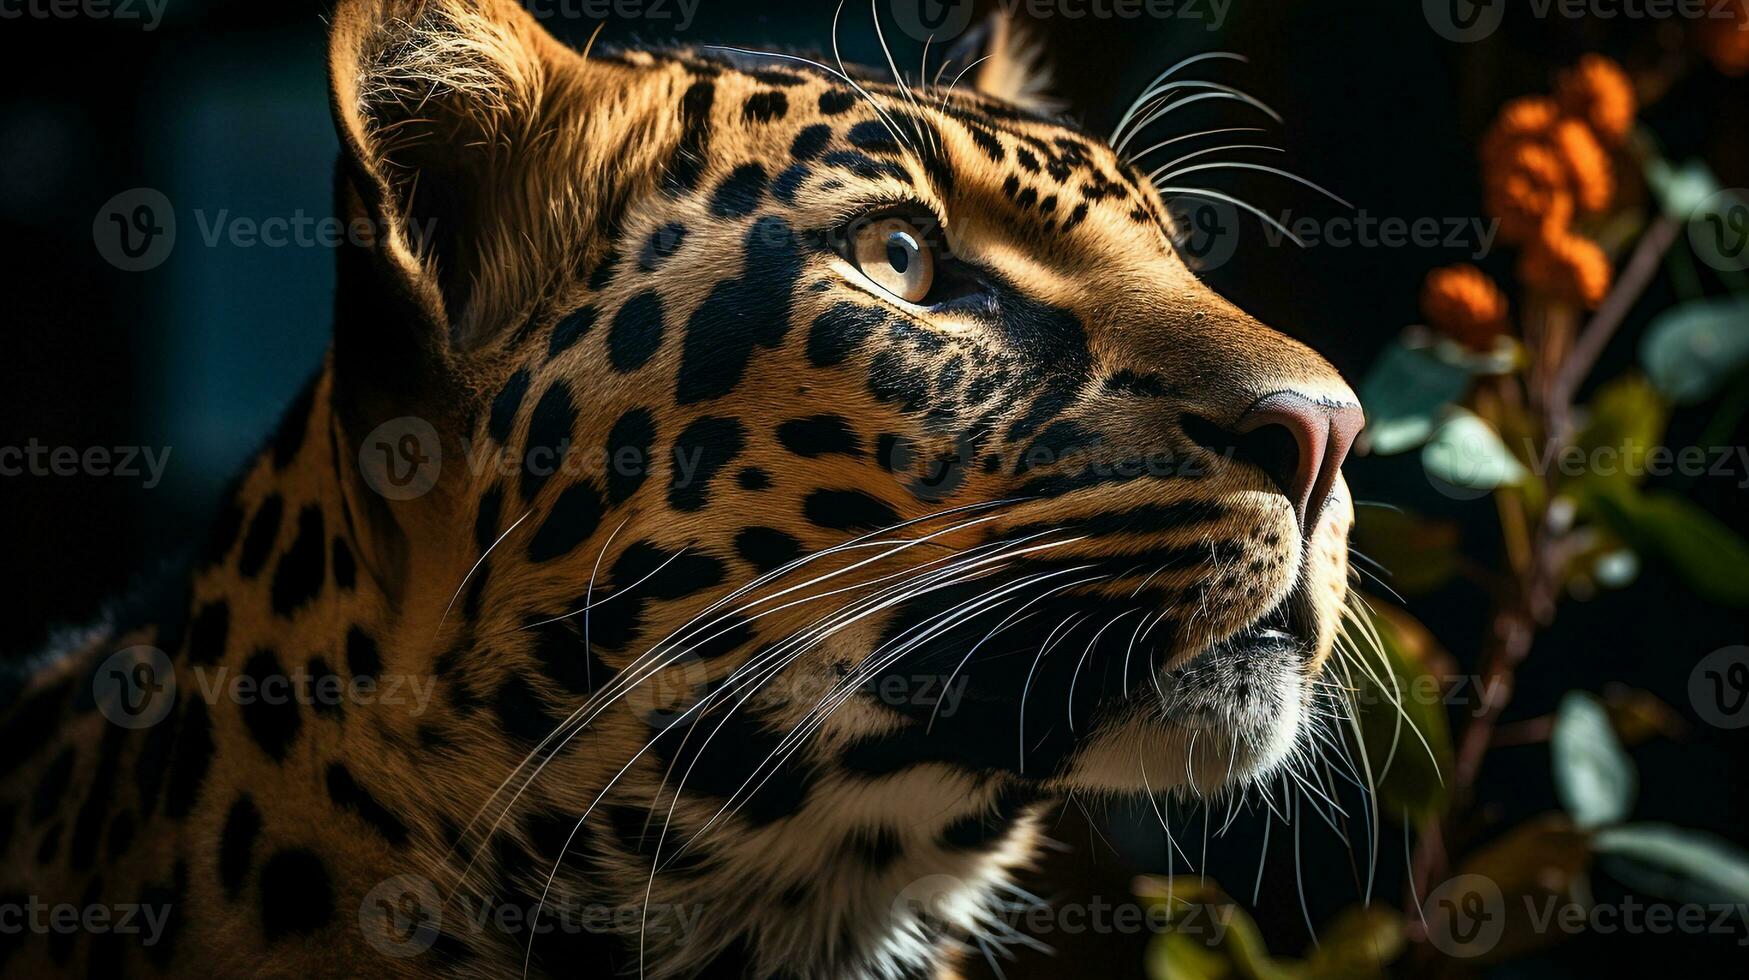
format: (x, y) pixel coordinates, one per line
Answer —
(896, 255)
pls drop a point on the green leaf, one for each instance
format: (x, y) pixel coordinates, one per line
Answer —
(1691, 350)
(1709, 556)
(1404, 395)
(1676, 863)
(1210, 937)
(1360, 942)
(1400, 710)
(1466, 452)
(1624, 422)
(1594, 778)
(1680, 190)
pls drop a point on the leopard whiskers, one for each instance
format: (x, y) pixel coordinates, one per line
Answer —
(476, 567)
(698, 708)
(898, 79)
(651, 663)
(882, 658)
(1264, 168)
(1164, 169)
(1067, 625)
(1076, 675)
(1164, 104)
(1148, 93)
(1214, 195)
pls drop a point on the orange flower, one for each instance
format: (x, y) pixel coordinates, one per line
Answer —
(1587, 164)
(1461, 302)
(1567, 267)
(1599, 93)
(1726, 39)
(1529, 117)
(1527, 189)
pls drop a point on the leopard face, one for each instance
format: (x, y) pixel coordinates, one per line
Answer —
(883, 388)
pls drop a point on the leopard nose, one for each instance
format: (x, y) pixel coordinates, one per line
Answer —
(1298, 440)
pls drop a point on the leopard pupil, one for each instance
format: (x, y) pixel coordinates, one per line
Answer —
(898, 253)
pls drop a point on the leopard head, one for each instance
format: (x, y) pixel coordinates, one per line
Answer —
(803, 430)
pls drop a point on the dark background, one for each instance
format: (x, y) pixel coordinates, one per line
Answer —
(223, 108)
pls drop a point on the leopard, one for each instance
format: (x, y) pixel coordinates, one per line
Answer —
(743, 498)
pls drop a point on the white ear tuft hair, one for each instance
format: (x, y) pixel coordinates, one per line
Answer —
(1013, 68)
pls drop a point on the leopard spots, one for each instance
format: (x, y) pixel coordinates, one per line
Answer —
(763, 107)
(522, 714)
(569, 330)
(192, 759)
(847, 510)
(636, 332)
(302, 568)
(753, 479)
(346, 794)
(700, 451)
(740, 193)
(296, 894)
(323, 679)
(662, 243)
(839, 331)
(270, 714)
(505, 406)
(629, 445)
(345, 567)
(549, 433)
(740, 315)
(564, 659)
(766, 548)
(362, 658)
(820, 435)
(809, 142)
(687, 164)
(836, 101)
(237, 844)
(573, 518)
(263, 532)
(789, 182)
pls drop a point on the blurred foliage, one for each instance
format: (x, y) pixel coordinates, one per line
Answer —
(1588, 491)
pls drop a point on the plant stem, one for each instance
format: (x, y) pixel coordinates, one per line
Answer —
(1635, 276)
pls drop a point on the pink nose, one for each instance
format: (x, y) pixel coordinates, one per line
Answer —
(1300, 442)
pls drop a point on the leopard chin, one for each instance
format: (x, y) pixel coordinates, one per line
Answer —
(1234, 713)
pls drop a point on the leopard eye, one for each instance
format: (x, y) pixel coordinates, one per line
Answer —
(897, 255)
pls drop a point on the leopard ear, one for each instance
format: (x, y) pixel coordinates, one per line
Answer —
(436, 103)
(1010, 64)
